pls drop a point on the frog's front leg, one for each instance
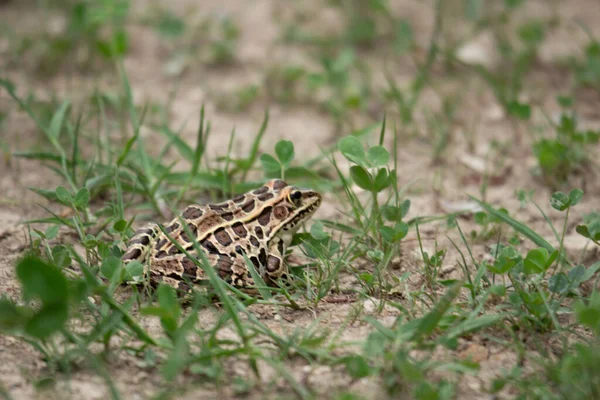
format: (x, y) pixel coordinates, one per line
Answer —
(276, 267)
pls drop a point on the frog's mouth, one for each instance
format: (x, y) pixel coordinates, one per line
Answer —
(311, 201)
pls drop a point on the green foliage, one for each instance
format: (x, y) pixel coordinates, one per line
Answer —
(285, 84)
(241, 99)
(538, 261)
(506, 259)
(284, 150)
(96, 29)
(518, 51)
(575, 375)
(395, 233)
(335, 79)
(588, 71)
(113, 270)
(589, 315)
(541, 302)
(223, 46)
(46, 283)
(569, 152)
(519, 110)
(488, 222)
(376, 157)
(114, 159)
(387, 351)
(168, 309)
(590, 227)
(320, 243)
(381, 225)
(560, 201)
(169, 25)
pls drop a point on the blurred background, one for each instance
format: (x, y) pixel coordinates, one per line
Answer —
(115, 109)
(458, 78)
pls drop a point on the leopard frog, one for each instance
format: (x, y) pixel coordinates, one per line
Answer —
(259, 224)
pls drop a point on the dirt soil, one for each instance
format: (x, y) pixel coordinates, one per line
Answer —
(433, 188)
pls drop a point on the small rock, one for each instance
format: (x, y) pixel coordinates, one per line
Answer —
(370, 305)
(475, 352)
(479, 51)
(494, 113)
(575, 243)
(460, 206)
(473, 162)
(447, 269)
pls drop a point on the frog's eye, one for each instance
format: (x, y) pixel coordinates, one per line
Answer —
(295, 196)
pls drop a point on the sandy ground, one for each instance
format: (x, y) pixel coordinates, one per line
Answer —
(434, 188)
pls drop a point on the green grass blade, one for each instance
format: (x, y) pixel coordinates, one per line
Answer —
(57, 122)
(249, 162)
(200, 145)
(182, 147)
(135, 122)
(474, 324)
(128, 320)
(120, 208)
(382, 132)
(230, 304)
(4, 393)
(259, 283)
(429, 322)
(516, 225)
(10, 88)
(40, 156)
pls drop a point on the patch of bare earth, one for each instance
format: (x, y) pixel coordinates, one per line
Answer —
(434, 188)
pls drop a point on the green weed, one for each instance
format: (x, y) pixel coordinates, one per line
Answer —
(94, 33)
(568, 153)
(514, 286)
